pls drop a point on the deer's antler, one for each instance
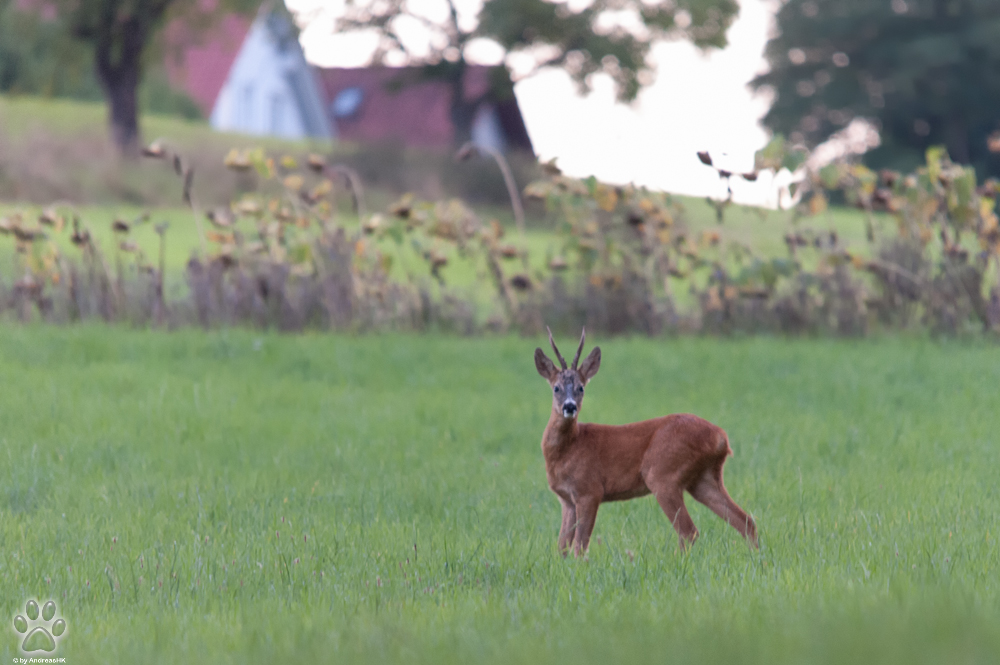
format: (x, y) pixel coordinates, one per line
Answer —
(554, 348)
(583, 336)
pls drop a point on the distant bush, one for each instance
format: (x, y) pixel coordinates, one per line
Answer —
(625, 259)
(939, 267)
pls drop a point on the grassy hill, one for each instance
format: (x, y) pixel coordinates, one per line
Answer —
(58, 149)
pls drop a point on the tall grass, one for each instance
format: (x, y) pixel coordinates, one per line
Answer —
(237, 497)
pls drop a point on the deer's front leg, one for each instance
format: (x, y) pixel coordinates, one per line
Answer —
(568, 529)
(586, 513)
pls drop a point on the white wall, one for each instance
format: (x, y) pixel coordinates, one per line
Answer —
(257, 97)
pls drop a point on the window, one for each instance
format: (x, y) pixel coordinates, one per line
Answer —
(347, 102)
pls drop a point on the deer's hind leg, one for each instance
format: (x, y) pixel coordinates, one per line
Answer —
(709, 490)
(667, 476)
(670, 495)
(672, 503)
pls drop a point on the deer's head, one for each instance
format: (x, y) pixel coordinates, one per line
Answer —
(568, 383)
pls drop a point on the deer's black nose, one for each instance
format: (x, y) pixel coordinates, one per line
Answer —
(569, 408)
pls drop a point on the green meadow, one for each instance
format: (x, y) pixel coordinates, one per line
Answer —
(233, 497)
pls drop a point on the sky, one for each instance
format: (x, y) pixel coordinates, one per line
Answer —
(698, 101)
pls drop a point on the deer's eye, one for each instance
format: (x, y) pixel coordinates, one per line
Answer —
(557, 388)
(579, 389)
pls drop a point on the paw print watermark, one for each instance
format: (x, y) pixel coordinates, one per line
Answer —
(44, 632)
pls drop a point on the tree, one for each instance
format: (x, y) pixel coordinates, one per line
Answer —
(925, 72)
(611, 37)
(118, 35)
(36, 58)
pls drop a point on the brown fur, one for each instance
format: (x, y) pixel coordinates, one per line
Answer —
(589, 464)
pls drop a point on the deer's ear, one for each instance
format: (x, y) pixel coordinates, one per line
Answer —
(590, 366)
(545, 366)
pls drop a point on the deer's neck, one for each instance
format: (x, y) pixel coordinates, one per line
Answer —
(560, 433)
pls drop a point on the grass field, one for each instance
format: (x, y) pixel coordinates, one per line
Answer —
(243, 498)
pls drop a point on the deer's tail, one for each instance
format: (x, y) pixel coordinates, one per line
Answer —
(723, 445)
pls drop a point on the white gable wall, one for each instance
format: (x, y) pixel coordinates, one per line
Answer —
(486, 129)
(258, 96)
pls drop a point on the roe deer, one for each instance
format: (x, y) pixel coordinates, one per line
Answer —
(588, 464)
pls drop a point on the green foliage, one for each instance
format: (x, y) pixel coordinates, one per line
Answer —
(156, 95)
(36, 58)
(244, 498)
(284, 254)
(118, 35)
(924, 70)
(778, 155)
(583, 49)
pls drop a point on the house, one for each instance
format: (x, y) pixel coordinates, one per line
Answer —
(252, 78)
(268, 89)
(373, 104)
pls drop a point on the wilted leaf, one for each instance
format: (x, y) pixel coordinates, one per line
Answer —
(540, 189)
(237, 160)
(293, 182)
(49, 217)
(322, 188)
(249, 207)
(316, 162)
(154, 150)
(606, 197)
(403, 207)
(520, 282)
(220, 217)
(817, 203)
(372, 224)
(220, 238)
(558, 263)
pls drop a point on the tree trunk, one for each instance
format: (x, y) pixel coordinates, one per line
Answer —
(123, 113)
(956, 139)
(119, 70)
